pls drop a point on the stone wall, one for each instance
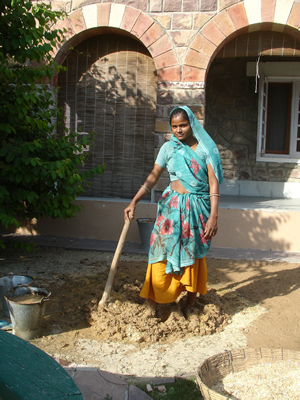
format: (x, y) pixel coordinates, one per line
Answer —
(231, 120)
(231, 111)
(184, 37)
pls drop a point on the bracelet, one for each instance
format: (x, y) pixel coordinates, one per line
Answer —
(145, 187)
(215, 194)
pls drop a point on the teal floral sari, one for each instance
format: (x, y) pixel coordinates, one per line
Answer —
(178, 234)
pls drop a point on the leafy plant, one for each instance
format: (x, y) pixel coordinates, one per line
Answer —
(40, 171)
(181, 389)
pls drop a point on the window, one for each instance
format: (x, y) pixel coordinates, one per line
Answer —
(278, 138)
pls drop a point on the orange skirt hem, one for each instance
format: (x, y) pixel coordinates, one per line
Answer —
(165, 288)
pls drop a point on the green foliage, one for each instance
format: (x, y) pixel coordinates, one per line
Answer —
(181, 389)
(40, 171)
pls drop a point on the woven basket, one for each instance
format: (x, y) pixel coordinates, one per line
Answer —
(220, 365)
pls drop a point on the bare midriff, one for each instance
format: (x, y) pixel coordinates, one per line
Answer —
(178, 187)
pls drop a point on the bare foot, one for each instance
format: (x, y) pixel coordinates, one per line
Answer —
(151, 312)
(187, 311)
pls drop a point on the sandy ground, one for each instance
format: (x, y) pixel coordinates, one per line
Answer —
(249, 304)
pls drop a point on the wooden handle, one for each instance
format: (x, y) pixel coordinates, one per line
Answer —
(114, 264)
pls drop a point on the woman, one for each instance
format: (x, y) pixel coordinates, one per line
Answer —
(187, 212)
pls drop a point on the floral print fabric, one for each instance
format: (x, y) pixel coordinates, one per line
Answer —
(178, 234)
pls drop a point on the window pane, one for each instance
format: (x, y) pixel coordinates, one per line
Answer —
(278, 125)
(298, 145)
(298, 135)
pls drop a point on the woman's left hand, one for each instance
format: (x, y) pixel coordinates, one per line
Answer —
(211, 227)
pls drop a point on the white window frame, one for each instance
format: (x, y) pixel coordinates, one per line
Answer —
(276, 72)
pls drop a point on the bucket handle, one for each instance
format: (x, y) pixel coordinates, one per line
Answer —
(19, 284)
(46, 298)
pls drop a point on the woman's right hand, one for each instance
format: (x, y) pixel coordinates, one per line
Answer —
(150, 182)
(129, 212)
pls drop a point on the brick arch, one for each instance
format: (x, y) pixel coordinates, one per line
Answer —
(234, 21)
(94, 19)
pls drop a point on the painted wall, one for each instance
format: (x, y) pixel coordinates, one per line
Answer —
(238, 228)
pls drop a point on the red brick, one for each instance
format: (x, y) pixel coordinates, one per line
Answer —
(203, 45)
(129, 18)
(77, 21)
(172, 5)
(224, 23)
(167, 59)
(103, 12)
(190, 5)
(142, 23)
(267, 10)
(213, 33)
(169, 74)
(294, 19)
(195, 59)
(65, 24)
(152, 34)
(162, 45)
(238, 15)
(191, 74)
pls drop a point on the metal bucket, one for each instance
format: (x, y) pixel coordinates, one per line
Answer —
(27, 319)
(9, 282)
(145, 226)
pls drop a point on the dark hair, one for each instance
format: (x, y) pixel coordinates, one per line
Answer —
(179, 111)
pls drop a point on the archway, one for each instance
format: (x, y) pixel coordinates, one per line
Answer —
(109, 87)
(252, 106)
(95, 19)
(234, 21)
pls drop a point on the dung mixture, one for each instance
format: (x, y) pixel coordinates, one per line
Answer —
(246, 304)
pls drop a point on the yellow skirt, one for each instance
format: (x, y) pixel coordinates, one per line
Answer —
(165, 288)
